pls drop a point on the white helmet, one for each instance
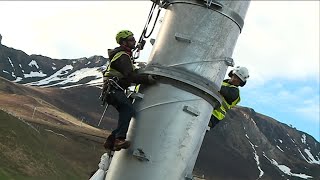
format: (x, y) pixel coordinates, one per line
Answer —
(241, 72)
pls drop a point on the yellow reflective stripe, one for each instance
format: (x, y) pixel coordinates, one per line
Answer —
(136, 89)
(229, 85)
(220, 112)
(224, 104)
(112, 72)
(219, 115)
(234, 103)
(115, 57)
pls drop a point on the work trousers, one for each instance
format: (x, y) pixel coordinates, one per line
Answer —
(124, 106)
(213, 121)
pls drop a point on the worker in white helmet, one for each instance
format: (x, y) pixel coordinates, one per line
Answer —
(230, 93)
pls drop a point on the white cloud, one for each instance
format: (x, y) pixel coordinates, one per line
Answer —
(280, 39)
(61, 29)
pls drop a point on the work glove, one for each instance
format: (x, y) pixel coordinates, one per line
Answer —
(141, 64)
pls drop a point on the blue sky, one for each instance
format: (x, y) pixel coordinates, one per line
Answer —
(292, 102)
(279, 45)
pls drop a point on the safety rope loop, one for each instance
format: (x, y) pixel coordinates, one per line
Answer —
(144, 31)
(114, 83)
(154, 24)
(148, 21)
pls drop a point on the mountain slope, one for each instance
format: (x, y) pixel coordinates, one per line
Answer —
(29, 151)
(37, 70)
(54, 105)
(246, 145)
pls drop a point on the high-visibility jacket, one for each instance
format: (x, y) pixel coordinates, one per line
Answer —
(121, 66)
(110, 72)
(220, 112)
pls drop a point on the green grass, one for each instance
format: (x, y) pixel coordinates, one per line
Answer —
(27, 154)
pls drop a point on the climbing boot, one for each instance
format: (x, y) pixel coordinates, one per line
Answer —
(121, 144)
(109, 143)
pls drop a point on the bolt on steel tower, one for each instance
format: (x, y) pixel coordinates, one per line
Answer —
(190, 56)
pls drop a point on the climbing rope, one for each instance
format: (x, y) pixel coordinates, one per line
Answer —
(141, 41)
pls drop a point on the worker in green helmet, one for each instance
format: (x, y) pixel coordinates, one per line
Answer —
(119, 75)
(230, 93)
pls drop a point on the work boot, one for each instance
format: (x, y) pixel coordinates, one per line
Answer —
(121, 144)
(109, 143)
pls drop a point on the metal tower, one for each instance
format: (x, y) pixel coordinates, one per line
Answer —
(191, 54)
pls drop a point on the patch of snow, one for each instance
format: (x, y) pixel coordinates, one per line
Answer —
(11, 62)
(35, 74)
(78, 75)
(247, 136)
(33, 63)
(246, 116)
(280, 141)
(312, 159)
(98, 81)
(54, 68)
(287, 171)
(12, 74)
(55, 133)
(303, 156)
(256, 157)
(20, 65)
(253, 122)
(53, 77)
(292, 140)
(88, 63)
(5, 71)
(18, 79)
(279, 148)
(304, 139)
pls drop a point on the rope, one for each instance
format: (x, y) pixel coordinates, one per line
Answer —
(144, 31)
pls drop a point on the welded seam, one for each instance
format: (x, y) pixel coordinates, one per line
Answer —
(166, 103)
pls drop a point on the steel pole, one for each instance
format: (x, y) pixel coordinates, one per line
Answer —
(191, 54)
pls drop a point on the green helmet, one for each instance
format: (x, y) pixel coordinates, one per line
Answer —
(123, 35)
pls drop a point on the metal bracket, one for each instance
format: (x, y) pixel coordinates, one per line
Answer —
(140, 155)
(201, 86)
(191, 110)
(210, 2)
(183, 38)
(229, 61)
(152, 41)
(137, 95)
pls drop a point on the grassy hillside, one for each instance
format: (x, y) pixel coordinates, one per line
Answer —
(41, 152)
